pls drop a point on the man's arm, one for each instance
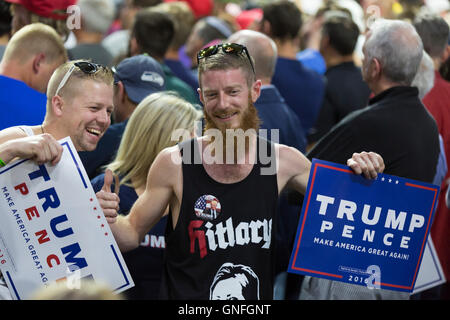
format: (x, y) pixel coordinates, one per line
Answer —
(42, 148)
(15, 144)
(163, 178)
(294, 167)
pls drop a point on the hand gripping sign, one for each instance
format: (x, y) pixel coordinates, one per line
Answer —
(366, 232)
(52, 228)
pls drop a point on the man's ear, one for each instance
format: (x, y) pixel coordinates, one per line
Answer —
(38, 60)
(57, 106)
(266, 28)
(256, 90)
(375, 69)
(121, 91)
(324, 41)
(446, 54)
(200, 96)
(133, 46)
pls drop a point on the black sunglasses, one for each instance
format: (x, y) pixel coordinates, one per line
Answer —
(231, 48)
(85, 66)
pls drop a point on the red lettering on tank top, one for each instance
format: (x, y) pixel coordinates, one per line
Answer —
(199, 235)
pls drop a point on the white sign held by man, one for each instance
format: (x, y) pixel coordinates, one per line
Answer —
(52, 228)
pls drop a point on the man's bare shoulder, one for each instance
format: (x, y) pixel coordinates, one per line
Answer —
(166, 168)
(165, 176)
(290, 158)
(293, 167)
(169, 158)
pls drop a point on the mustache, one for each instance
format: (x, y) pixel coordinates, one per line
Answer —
(249, 117)
(225, 113)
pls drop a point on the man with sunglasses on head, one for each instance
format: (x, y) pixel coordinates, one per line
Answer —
(245, 193)
(79, 105)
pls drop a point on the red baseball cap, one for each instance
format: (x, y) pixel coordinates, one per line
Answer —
(201, 8)
(55, 9)
(247, 17)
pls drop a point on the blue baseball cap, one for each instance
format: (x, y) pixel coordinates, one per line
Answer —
(141, 75)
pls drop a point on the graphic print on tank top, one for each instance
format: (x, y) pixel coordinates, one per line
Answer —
(235, 282)
(207, 207)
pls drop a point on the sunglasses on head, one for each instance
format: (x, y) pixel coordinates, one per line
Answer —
(85, 66)
(231, 48)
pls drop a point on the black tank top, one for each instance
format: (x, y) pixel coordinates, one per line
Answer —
(222, 245)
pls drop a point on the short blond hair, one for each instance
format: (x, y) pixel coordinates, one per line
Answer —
(33, 39)
(104, 74)
(148, 132)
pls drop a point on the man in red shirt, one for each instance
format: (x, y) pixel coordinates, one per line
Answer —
(434, 32)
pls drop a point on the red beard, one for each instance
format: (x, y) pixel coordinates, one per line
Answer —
(249, 120)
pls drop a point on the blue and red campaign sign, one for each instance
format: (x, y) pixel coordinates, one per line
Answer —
(362, 231)
(52, 228)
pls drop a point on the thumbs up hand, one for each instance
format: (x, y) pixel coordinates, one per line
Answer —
(109, 201)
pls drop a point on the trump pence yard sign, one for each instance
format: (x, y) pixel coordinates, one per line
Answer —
(52, 227)
(362, 231)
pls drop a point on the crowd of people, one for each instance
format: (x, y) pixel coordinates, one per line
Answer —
(337, 81)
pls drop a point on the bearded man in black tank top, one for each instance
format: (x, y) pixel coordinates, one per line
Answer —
(222, 189)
